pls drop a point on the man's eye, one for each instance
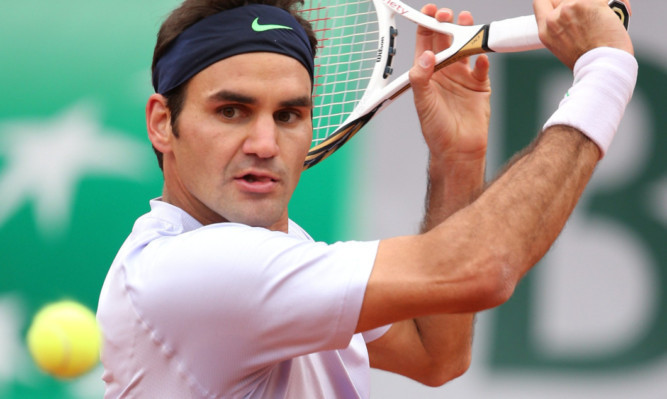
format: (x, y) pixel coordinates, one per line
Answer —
(286, 116)
(229, 112)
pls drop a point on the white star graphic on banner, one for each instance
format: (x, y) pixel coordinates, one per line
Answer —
(44, 160)
(14, 360)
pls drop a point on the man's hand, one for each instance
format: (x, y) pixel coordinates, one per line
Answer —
(453, 103)
(570, 28)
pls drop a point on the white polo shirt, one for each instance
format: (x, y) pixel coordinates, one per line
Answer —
(232, 311)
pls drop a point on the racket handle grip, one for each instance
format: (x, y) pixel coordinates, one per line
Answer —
(514, 34)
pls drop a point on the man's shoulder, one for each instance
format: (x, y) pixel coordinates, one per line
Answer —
(297, 231)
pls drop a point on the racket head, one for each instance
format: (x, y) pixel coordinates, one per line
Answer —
(349, 39)
(356, 46)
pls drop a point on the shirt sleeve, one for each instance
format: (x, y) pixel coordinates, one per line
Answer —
(372, 335)
(234, 298)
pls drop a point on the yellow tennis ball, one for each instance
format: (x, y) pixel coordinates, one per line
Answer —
(64, 339)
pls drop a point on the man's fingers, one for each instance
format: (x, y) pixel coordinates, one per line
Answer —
(426, 38)
(421, 71)
(442, 41)
(424, 35)
(542, 8)
(481, 70)
(465, 18)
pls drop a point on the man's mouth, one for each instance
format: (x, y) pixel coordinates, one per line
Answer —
(250, 178)
(257, 182)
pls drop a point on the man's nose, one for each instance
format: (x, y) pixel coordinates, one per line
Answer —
(262, 139)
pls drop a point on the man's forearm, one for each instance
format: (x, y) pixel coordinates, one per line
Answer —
(451, 186)
(514, 222)
(528, 205)
(474, 259)
(447, 338)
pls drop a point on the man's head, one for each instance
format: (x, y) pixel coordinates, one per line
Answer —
(231, 117)
(191, 12)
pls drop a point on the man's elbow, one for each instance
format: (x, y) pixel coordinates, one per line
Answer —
(491, 278)
(496, 284)
(439, 375)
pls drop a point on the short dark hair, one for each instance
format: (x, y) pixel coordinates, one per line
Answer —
(189, 13)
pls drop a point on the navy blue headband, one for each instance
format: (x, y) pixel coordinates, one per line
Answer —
(247, 29)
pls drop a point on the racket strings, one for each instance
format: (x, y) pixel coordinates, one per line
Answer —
(347, 34)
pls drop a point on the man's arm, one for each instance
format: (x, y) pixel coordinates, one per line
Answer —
(474, 259)
(435, 349)
(438, 348)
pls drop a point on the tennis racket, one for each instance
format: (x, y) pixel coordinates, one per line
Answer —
(356, 46)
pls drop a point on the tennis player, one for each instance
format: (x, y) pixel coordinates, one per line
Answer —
(216, 293)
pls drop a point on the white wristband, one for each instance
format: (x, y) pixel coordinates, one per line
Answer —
(604, 79)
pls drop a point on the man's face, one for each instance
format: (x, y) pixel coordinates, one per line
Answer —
(243, 134)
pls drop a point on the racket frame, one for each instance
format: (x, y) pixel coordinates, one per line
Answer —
(507, 35)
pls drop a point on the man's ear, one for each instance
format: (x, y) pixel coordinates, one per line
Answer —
(158, 123)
